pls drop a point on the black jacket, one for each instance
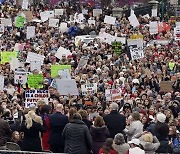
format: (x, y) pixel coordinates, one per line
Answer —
(5, 132)
(77, 138)
(57, 123)
(31, 141)
(115, 123)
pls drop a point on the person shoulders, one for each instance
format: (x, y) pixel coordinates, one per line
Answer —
(136, 150)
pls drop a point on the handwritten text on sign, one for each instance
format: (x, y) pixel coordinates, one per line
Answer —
(113, 94)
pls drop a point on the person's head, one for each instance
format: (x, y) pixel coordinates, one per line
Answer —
(119, 139)
(99, 122)
(148, 137)
(108, 145)
(144, 119)
(59, 108)
(45, 109)
(83, 114)
(114, 107)
(76, 116)
(15, 136)
(161, 117)
(135, 116)
(134, 143)
(72, 111)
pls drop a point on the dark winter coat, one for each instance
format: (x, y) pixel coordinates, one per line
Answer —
(115, 123)
(99, 135)
(77, 138)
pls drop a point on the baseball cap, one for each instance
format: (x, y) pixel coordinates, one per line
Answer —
(134, 141)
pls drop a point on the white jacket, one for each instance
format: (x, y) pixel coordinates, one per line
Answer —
(136, 150)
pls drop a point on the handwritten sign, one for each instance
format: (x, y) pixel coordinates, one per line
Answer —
(113, 94)
(20, 77)
(6, 56)
(89, 89)
(35, 81)
(56, 68)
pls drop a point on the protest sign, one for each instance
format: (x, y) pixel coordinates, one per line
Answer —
(25, 4)
(136, 36)
(53, 22)
(63, 27)
(7, 22)
(82, 62)
(91, 22)
(177, 33)
(56, 68)
(44, 16)
(35, 65)
(28, 14)
(1, 28)
(64, 74)
(6, 56)
(18, 47)
(67, 87)
(110, 20)
(153, 27)
(1, 82)
(20, 21)
(117, 47)
(133, 20)
(89, 89)
(121, 39)
(97, 12)
(62, 51)
(154, 12)
(166, 86)
(33, 96)
(138, 42)
(20, 77)
(35, 81)
(84, 11)
(113, 94)
(58, 12)
(14, 63)
(106, 37)
(30, 32)
(34, 57)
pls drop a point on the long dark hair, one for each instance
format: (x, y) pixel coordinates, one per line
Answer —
(107, 145)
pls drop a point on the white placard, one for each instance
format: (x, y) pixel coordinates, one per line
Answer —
(63, 27)
(1, 28)
(97, 12)
(25, 4)
(177, 33)
(34, 57)
(64, 74)
(67, 87)
(133, 20)
(53, 22)
(121, 39)
(136, 52)
(1, 82)
(91, 22)
(6, 22)
(14, 63)
(58, 12)
(62, 51)
(154, 12)
(153, 27)
(46, 15)
(113, 94)
(35, 65)
(89, 89)
(82, 62)
(138, 42)
(33, 96)
(20, 77)
(30, 32)
(84, 11)
(110, 20)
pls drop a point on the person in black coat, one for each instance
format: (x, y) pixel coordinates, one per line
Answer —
(115, 122)
(77, 136)
(31, 128)
(57, 123)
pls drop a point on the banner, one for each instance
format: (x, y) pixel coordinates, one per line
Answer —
(34, 57)
(56, 68)
(33, 96)
(113, 94)
(30, 32)
(67, 87)
(35, 81)
(6, 56)
(20, 77)
(89, 89)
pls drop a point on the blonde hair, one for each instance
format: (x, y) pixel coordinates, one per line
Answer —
(30, 117)
(148, 137)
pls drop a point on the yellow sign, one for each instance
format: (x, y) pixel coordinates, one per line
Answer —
(136, 36)
(6, 56)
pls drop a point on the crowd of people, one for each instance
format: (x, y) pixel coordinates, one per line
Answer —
(144, 120)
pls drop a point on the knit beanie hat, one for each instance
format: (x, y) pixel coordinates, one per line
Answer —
(161, 117)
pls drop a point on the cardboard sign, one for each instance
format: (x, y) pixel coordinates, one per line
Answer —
(82, 62)
(35, 65)
(67, 87)
(89, 89)
(56, 68)
(166, 86)
(62, 51)
(1, 82)
(35, 81)
(20, 77)
(6, 56)
(7, 22)
(113, 94)
(28, 14)
(64, 74)
(34, 57)
(58, 12)
(33, 96)
(97, 12)
(153, 27)
(133, 20)
(30, 32)
(109, 20)
(20, 21)
(25, 4)
(14, 63)
(53, 22)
